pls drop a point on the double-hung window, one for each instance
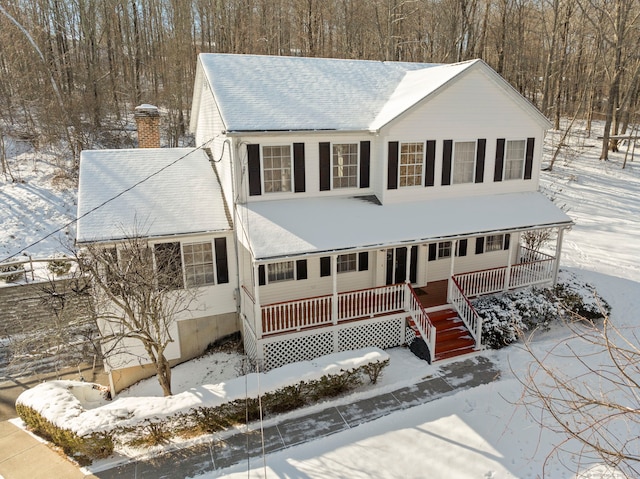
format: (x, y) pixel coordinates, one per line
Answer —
(198, 263)
(494, 243)
(191, 264)
(347, 263)
(276, 165)
(345, 165)
(411, 164)
(283, 271)
(514, 159)
(464, 162)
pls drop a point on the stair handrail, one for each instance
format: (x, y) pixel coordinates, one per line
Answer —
(422, 322)
(466, 311)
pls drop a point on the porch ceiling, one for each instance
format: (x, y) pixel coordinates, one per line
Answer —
(282, 228)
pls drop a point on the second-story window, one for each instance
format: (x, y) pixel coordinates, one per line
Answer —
(411, 164)
(345, 165)
(514, 160)
(464, 161)
(276, 162)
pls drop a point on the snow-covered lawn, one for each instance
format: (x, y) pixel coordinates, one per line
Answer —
(484, 432)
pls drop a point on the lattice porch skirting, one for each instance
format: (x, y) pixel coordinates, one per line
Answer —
(279, 350)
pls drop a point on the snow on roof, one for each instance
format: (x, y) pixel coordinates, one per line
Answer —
(263, 93)
(283, 228)
(182, 194)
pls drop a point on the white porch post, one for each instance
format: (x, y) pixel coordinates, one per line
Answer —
(507, 273)
(334, 276)
(454, 248)
(407, 266)
(559, 238)
(257, 310)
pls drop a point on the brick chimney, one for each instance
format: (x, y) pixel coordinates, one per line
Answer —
(148, 123)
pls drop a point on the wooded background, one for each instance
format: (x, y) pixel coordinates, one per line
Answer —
(75, 69)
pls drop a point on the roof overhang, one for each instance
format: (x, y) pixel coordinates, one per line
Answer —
(312, 226)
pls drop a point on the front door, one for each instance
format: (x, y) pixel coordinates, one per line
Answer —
(397, 265)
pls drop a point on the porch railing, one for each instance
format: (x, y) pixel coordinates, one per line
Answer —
(318, 311)
(534, 268)
(466, 311)
(422, 321)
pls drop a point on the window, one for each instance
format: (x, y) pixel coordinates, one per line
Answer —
(198, 264)
(276, 162)
(191, 264)
(444, 249)
(411, 164)
(514, 160)
(464, 160)
(439, 250)
(494, 243)
(347, 262)
(169, 265)
(280, 271)
(345, 165)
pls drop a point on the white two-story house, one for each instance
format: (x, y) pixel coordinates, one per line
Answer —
(366, 202)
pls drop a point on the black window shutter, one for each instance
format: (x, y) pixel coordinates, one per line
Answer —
(447, 149)
(429, 177)
(301, 269)
(363, 261)
(253, 159)
(325, 266)
(433, 251)
(413, 265)
(462, 247)
(497, 171)
(392, 170)
(222, 267)
(298, 168)
(528, 162)
(325, 166)
(480, 245)
(507, 240)
(481, 148)
(365, 163)
(262, 277)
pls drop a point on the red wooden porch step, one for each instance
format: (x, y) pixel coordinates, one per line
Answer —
(452, 337)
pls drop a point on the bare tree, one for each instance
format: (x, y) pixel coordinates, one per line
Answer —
(595, 410)
(137, 294)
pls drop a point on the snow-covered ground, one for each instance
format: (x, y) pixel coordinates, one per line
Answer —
(36, 199)
(484, 432)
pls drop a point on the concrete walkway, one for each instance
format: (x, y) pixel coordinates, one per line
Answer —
(247, 446)
(24, 457)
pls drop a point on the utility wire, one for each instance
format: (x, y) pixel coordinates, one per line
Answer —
(95, 208)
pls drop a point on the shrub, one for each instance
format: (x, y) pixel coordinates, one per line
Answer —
(83, 449)
(506, 315)
(59, 267)
(374, 370)
(151, 433)
(17, 270)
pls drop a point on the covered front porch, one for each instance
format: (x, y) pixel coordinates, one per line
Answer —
(413, 306)
(364, 274)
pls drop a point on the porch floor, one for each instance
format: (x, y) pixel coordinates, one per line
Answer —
(433, 294)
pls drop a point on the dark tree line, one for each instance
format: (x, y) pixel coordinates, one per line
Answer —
(74, 69)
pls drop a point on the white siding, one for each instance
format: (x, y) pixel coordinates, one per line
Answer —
(312, 164)
(441, 268)
(315, 285)
(218, 298)
(471, 108)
